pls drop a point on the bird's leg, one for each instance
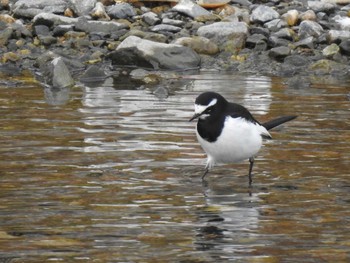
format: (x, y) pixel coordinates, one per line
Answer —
(205, 173)
(251, 163)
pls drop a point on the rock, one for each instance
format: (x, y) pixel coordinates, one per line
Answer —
(279, 53)
(291, 17)
(337, 35)
(161, 92)
(60, 30)
(308, 15)
(82, 7)
(166, 28)
(274, 41)
(330, 50)
(134, 51)
(93, 74)
(286, 33)
(343, 23)
(254, 39)
(150, 18)
(49, 20)
(309, 28)
(120, 11)
(345, 47)
(297, 61)
(5, 35)
(41, 30)
(201, 45)
(275, 24)
(305, 43)
(263, 14)
(229, 36)
(325, 66)
(58, 75)
(190, 9)
(99, 12)
(7, 19)
(99, 26)
(321, 6)
(31, 8)
(173, 22)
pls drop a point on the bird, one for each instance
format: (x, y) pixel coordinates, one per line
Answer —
(228, 132)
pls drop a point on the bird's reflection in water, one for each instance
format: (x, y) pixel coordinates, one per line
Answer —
(228, 223)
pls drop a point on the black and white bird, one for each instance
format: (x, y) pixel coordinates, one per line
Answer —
(228, 132)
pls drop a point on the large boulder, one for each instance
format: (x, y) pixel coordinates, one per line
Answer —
(134, 51)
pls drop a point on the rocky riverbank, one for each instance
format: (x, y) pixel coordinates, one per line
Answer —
(65, 41)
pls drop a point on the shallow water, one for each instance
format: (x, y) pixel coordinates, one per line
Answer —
(111, 173)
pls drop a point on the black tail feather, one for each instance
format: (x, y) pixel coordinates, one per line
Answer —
(273, 123)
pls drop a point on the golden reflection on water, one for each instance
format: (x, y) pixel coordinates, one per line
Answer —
(113, 175)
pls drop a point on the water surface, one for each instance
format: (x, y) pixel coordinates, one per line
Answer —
(111, 173)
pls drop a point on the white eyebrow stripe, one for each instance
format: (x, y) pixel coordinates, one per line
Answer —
(198, 109)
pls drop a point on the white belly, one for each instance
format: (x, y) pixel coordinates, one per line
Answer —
(238, 141)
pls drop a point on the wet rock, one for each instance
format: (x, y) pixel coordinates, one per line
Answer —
(330, 50)
(82, 7)
(309, 28)
(120, 11)
(161, 92)
(230, 36)
(190, 9)
(99, 26)
(325, 66)
(201, 45)
(149, 54)
(151, 18)
(263, 14)
(49, 20)
(56, 73)
(93, 74)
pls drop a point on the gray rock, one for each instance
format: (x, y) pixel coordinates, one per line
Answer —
(286, 33)
(191, 9)
(279, 53)
(252, 40)
(263, 14)
(321, 6)
(41, 30)
(5, 35)
(345, 47)
(337, 35)
(82, 7)
(173, 22)
(134, 51)
(201, 45)
(151, 18)
(167, 28)
(276, 24)
(60, 30)
(227, 35)
(309, 28)
(120, 11)
(297, 61)
(107, 27)
(93, 74)
(278, 42)
(31, 8)
(49, 20)
(306, 42)
(61, 78)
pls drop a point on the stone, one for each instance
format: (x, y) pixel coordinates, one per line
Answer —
(308, 15)
(330, 50)
(49, 20)
(120, 11)
(99, 12)
(337, 35)
(5, 35)
(173, 22)
(275, 24)
(279, 53)
(134, 51)
(229, 36)
(190, 9)
(345, 47)
(41, 30)
(82, 7)
(305, 43)
(99, 26)
(31, 8)
(309, 28)
(254, 39)
(167, 28)
(343, 23)
(263, 14)
(286, 33)
(93, 74)
(291, 17)
(321, 6)
(201, 45)
(150, 18)
(61, 78)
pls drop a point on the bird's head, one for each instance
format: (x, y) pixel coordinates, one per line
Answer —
(208, 104)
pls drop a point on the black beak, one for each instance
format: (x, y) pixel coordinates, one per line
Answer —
(195, 116)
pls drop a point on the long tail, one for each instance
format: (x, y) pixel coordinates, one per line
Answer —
(273, 123)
